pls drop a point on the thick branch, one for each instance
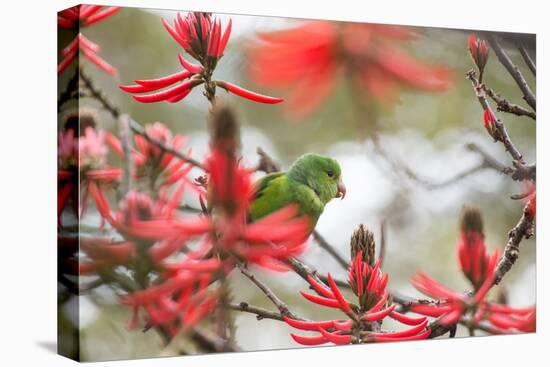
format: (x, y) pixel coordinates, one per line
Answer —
(523, 229)
(514, 72)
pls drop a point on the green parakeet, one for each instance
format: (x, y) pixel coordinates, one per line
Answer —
(311, 182)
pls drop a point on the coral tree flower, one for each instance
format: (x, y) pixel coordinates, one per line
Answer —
(310, 58)
(479, 267)
(364, 318)
(202, 37)
(84, 16)
(153, 163)
(85, 155)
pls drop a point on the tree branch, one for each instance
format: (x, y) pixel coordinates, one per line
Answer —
(523, 229)
(281, 306)
(505, 106)
(514, 71)
(501, 133)
(260, 313)
(528, 60)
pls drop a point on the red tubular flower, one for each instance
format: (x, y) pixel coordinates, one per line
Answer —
(182, 301)
(88, 155)
(472, 252)
(310, 58)
(451, 305)
(368, 283)
(203, 38)
(104, 253)
(479, 51)
(479, 267)
(153, 163)
(510, 320)
(84, 15)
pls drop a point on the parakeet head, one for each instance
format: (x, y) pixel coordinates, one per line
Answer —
(322, 174)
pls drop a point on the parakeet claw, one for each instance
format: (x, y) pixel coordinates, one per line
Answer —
(341, 193)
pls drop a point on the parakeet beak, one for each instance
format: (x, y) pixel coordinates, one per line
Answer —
(341, 193)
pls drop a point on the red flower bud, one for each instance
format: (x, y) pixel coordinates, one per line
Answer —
(479, 51)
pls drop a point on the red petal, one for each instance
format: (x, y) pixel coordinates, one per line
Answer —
(308, 325)
(309, 340)
(253, 96)
(166, 80)
(97, 17)
(168, 93)
(335, 338)
(192, 68)
(339, 297)
(320, 300)
(375, 316)
(407, 320)
(319, 287)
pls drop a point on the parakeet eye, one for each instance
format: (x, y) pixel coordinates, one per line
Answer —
(330, 173)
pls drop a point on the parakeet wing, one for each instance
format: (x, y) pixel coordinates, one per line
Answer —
(277, 190)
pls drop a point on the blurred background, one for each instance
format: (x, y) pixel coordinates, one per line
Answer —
(426, 131)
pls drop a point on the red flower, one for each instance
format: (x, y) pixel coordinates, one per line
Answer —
(181, 301)
(201, 35)
(510, 320)
(86, 155)
(369, 285)
(479, 267)
(83, 16)
(453, 305)
(479, 51)
(310, 58)
(472, 253)
(153, 163)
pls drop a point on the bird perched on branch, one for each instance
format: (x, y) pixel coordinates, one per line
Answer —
(311, 182)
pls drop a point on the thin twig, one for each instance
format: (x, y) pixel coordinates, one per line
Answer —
(138, 129)
(125, 137)
(505, 106)
(382, 252)
(514, 71)
(400, 166)
(261, 313)
(528, 60)
(501, 134)
(281, 306)
(325, 245)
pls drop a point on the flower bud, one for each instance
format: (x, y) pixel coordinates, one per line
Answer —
(489, 122)
(472, 252)
(363, 240)
(479, 51)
